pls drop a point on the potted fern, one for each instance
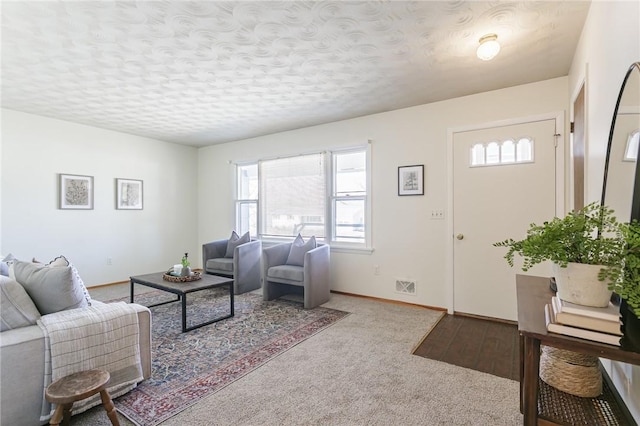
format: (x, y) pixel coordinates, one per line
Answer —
(624, 277)
(579, 245)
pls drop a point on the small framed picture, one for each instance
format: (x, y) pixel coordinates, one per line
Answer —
(76, 192)
(129, 194)
(411, 180)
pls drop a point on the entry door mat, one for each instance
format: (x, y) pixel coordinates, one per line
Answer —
(189, 366)
(479, 344)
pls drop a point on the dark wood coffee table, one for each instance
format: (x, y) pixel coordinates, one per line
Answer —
(182, 289)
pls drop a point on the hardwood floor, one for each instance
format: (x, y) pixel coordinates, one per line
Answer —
(479, 344)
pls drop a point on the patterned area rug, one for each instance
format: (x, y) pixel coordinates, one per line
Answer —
(189, 366)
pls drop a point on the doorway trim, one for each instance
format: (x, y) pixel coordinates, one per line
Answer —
(561, 138)
(581, 84)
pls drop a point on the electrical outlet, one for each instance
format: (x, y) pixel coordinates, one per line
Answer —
(376, 269)
(437, 214)
(109, 261)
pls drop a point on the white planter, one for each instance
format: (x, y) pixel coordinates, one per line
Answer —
(578, 283)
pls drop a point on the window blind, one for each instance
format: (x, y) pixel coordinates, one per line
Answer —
(293, 196)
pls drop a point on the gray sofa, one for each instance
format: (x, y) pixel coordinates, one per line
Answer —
(243, 264)
(22, 359)
(310, 274)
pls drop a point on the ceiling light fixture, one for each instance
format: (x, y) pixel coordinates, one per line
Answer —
(489, 47)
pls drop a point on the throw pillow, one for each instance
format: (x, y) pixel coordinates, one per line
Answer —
(298, 250)
(51, 289)
(16, 307)
(5, 263)
(63, 261)
(235, 241)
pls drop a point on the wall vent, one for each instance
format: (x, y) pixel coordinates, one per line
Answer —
(405, 286)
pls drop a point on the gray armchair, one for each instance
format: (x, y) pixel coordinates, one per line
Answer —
(312, 278)
(243, 267)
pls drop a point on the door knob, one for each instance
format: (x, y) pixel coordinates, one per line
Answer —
(460, 236)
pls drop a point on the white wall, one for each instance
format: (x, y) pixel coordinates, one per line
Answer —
(609, 44)
(36, 149)
(407, 244)
(1, 252)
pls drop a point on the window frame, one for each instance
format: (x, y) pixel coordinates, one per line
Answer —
(330, 196)
(245, 201)
(333, 197)
(500, 143)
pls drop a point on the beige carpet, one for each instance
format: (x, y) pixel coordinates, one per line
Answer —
(358, 371)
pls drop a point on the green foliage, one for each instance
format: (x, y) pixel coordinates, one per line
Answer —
(624, 277)
(589, 235)
(185, 260)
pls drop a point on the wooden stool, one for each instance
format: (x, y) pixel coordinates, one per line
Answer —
(77, 387)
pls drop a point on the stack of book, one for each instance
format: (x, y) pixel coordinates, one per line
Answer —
(597, 324)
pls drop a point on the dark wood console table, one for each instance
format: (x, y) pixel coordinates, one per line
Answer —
(533, 294)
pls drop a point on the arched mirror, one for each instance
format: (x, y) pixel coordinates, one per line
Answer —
(621, 187)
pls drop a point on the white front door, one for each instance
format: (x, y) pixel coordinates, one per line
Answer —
(499, 188)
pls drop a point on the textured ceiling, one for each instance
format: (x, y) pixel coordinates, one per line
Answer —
(206, 72)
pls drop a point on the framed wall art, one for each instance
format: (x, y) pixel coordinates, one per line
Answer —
(76, 192)
(129, 194)
(411, 180)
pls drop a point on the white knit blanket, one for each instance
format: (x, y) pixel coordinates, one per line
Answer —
(102, 336)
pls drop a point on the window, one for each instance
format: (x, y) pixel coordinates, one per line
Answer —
(349, 196)
(525, 150)
(505, 152)
(293, 196)
(508, 152)
(493, 153)
(477, 154)
(247, 201)
(324, 194)
(631, 152)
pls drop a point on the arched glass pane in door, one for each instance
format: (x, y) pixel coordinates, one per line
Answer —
(524, 150)
(508, 152)
(493, 153)
(477, 155)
